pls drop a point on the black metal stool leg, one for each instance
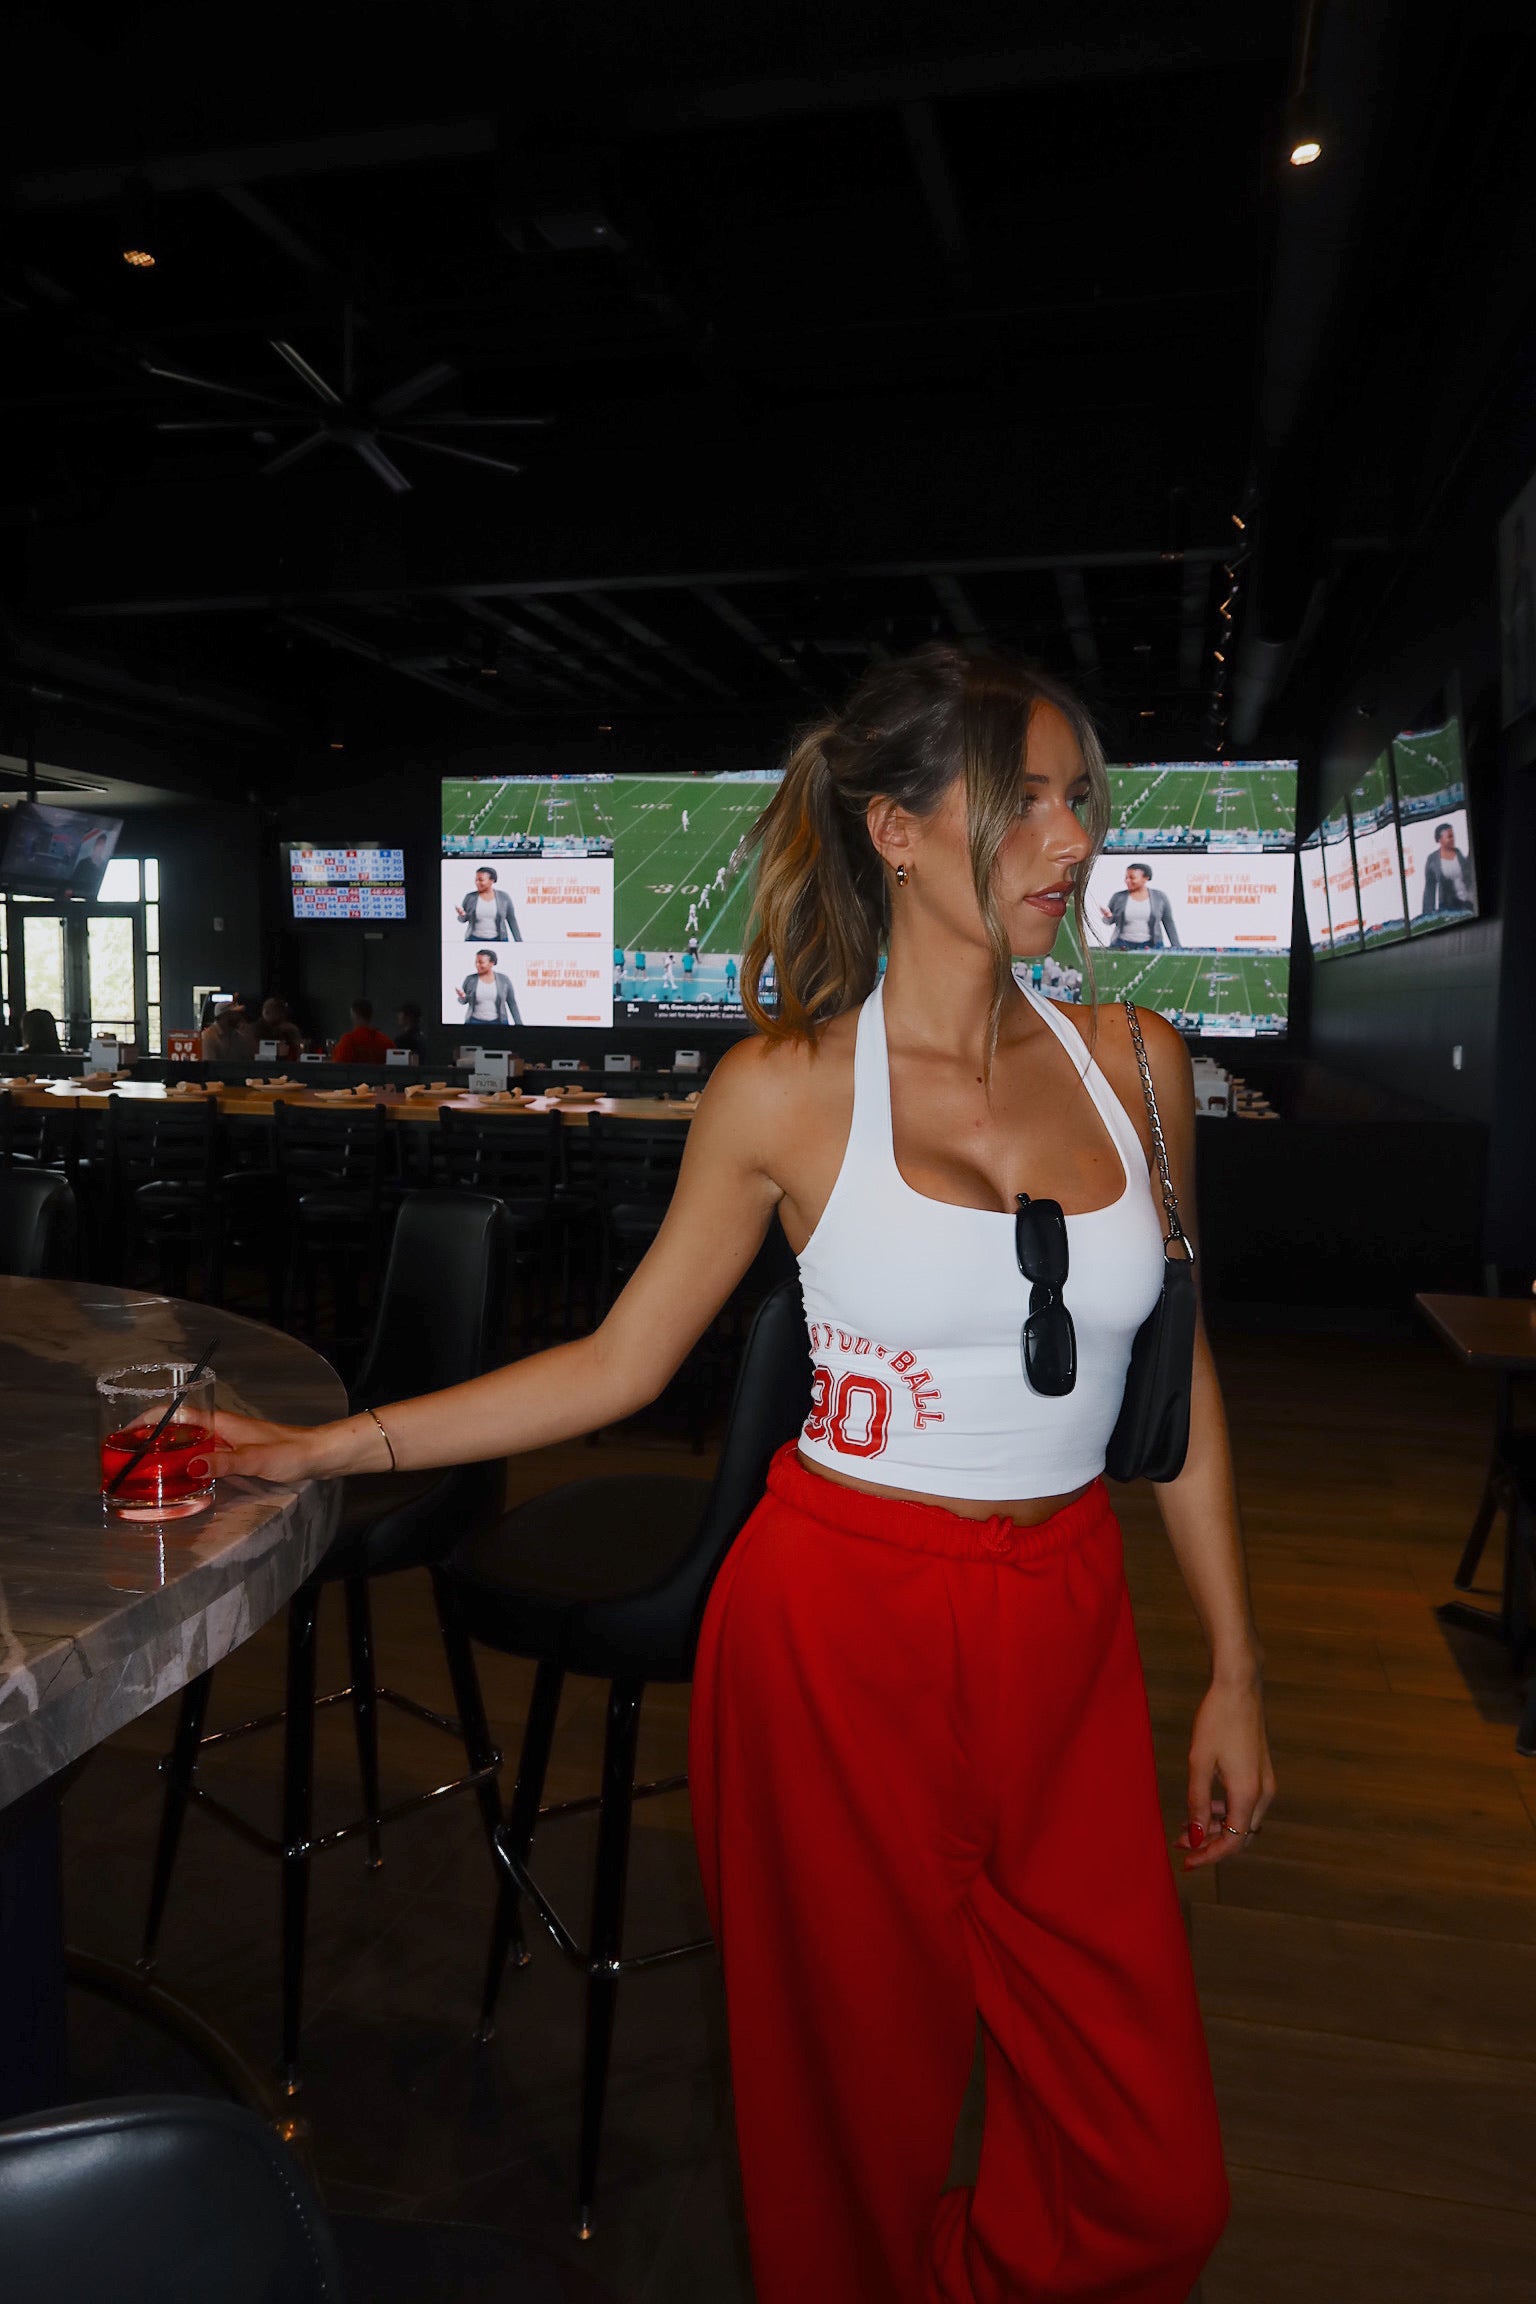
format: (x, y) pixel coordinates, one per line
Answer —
(365, 1707)
(298, 1792)
(179, 1769)
(468, 1703)
(515, 1837)
(607, 1931)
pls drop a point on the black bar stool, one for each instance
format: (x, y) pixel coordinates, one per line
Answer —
(37, 1225)
(163, 1186)
(333, 1165)
(635, 1165)
(515, 1156)
(441, 1320)
(610, 1577)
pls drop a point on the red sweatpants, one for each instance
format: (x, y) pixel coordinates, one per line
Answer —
(923, 1790)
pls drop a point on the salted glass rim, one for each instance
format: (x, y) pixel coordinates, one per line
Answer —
(116, 1381)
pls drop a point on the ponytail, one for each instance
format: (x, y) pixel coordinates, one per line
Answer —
(820, 902)
(821, 910)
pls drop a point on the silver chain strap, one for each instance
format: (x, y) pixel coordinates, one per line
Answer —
(1170, 1203)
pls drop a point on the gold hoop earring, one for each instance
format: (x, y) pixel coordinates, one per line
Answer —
(901, 875)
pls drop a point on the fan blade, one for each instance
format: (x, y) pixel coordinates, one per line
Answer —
(444, 448)
(484, 423)
(301, 367)
(206, 384)
(226, 423)
(376, 460)
(287, 456)
(414, 388)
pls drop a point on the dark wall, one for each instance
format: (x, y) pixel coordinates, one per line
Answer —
(1396, 1014)
(210, 898)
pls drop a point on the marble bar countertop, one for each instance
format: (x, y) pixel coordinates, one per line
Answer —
(100, 1619)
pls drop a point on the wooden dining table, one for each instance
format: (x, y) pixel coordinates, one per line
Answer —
(419, 1105)
(1497, 1333)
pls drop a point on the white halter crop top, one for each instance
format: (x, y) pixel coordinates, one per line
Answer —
(916, 1310)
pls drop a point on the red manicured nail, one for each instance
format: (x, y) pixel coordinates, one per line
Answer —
(1197, 1835)
(199, 1468)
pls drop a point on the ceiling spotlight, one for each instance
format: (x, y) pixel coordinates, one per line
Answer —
(136, 224)
(1304, 150)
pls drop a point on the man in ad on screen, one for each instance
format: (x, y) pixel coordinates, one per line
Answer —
(1447, 875)
(488, 994)
(1139, 914)
(487, 912)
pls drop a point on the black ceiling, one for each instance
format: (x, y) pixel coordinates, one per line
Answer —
(849, 324)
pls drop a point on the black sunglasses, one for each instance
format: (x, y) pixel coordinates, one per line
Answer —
(1049, 1341)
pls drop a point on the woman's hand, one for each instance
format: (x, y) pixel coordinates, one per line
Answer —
(1231, 1776)
(255, 1449)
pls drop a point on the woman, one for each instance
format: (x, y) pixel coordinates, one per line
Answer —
(40, 1033)
(921, 1755)
(488, 994)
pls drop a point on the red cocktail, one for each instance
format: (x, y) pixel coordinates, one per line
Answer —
(149, 1473)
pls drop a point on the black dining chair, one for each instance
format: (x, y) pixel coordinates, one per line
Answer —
(441, 1320)
(38, 1229)
(190, 2200)
(516, 1156)
(609, 1577)
(160, 2200)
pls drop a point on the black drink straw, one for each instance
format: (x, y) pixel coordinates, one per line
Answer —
(144, 1447)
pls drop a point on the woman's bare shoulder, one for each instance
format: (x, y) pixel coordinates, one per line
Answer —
(760, 1077)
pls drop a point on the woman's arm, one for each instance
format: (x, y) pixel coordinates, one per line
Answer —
(720, 1210)
(1199, 1511)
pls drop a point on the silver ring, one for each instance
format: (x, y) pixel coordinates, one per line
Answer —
(1233, 1829)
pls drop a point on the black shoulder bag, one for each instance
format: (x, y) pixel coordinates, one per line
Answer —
(1151, 1435)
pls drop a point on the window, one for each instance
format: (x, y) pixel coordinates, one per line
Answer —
(95, 966)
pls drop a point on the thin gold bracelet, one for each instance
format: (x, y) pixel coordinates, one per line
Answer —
(389, 1444)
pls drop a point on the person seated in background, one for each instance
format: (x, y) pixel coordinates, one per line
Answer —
(362, 1044)
(40, 1033)
(223, 1039)
(247, 1016)
(277, 1024)
(408, 1028)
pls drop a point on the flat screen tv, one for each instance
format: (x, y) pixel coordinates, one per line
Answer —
(624, 899)
(55, 851)
(1314, 891)
(361, 883)
(1378, 865)
(1343, 889)
(1429, 766)
(1189, 907)
(596, 900)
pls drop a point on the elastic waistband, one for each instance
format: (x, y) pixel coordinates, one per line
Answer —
(932, 1527)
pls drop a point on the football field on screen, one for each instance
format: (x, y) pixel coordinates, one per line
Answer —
(660, 870)
(1203, 799)
(1232, 984)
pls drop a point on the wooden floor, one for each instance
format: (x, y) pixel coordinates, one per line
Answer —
(1368, 1968)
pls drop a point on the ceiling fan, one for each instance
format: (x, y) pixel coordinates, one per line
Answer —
(344, 418)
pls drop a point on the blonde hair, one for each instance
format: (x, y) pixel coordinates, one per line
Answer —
(910, 729)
